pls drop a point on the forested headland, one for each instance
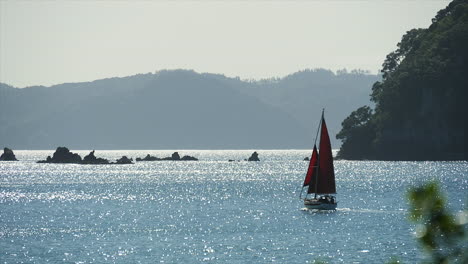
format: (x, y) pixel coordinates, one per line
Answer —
(421, 103)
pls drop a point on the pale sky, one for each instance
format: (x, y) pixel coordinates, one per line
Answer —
(52, 42)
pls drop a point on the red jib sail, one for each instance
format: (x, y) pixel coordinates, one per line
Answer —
(326, 172)
(312, 170)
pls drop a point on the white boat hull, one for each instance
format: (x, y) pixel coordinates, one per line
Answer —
(318, 205)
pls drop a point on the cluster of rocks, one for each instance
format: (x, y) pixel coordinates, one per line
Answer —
(253, 157)
(8, 155)
(174, 156)
(63, 155)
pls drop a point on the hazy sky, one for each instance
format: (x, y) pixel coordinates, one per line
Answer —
(52, 42)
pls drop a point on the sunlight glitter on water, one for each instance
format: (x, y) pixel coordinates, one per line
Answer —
(211, 210)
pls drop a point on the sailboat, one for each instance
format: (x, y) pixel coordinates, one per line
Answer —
(320, 176)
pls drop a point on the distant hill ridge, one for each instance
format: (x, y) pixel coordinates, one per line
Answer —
(173, 109)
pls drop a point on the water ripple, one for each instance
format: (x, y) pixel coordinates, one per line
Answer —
(211, 210)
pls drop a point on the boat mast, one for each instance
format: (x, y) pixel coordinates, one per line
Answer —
(318, 158)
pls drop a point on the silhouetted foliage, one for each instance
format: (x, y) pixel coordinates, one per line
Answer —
(420, 109)
(356, 130)
(439, 232)
(409, 42)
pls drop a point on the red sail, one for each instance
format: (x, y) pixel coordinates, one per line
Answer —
(326, 175)
(312, 170)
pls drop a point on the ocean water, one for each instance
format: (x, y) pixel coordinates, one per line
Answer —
(211, 210)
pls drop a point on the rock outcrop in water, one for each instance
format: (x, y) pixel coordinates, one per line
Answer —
(174, 156)
(62, 155)
(91, 159)
(124, 160)
(148, 158)
(188, 158)
(8, 155)
(254, 157)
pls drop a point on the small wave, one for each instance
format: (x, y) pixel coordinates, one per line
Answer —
(358, 210)
(377, 211)
(314, 211)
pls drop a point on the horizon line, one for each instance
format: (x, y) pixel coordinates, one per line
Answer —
(335, 72)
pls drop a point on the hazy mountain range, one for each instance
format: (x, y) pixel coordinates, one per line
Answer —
(181, 109)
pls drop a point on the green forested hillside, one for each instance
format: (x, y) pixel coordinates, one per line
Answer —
(420, 104)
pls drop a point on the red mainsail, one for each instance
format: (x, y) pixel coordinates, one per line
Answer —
(312, 170)
(326, 172)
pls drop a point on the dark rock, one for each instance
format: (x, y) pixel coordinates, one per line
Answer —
(188, 158)
(47, 160)
(8, 155)
(175, 156)
(62, 155)
(306, 159)
(148, 158)
(254, 157)
(91, 159)
(124, 160)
